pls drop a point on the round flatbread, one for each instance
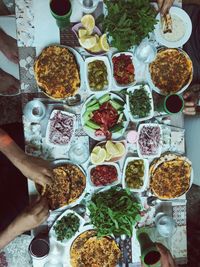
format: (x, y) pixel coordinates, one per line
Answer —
(170, 176)
(171, 70)
(57, 73)
(88, 250)
(68, 185)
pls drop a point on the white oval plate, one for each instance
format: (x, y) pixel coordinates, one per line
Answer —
(91, 133)
(109, 74)
(53, 233)
(160, 145)
(134, 61)
(151, 113)
(145, 177)
(108, 185)
(179, 12)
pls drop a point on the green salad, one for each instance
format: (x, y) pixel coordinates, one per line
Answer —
(67, 226)
(114, 211)
(128, 22)
(140, 102)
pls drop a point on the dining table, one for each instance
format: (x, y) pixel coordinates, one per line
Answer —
(37, 29)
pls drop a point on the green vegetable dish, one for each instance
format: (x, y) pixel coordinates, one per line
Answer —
(67, 226)
(114, 211)
(140, 102)
(128, 22)
(97, 75)
(134, 174)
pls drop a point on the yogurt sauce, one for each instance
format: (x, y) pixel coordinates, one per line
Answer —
(178, 30)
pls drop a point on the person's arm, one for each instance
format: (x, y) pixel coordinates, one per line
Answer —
(27, 220)
(36, 169)
(164, 6)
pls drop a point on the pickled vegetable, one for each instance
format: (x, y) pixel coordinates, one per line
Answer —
(97, 75)
(134, 175)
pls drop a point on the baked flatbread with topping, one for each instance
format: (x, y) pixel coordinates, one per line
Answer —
(171, 70)
(56, 72)
(170, 176)
(88, 250)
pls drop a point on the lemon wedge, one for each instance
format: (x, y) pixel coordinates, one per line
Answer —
(96, 48)
(82, 32)
(88, 42)
(98, 158)
(104, 43)
(121, 149)
(88, 22)
(96, 149)
(108, 156)
(111, 148)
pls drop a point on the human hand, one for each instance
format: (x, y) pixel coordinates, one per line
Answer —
(36, 169)
(8, 46)
(190, 102)
(164, 5)
(32, 217)
(166, 258)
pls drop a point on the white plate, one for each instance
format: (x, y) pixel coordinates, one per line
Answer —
(52, 232)
(152, 85)
(91, 132)
(108, 185)
(134, 61)
(145, 177)
(48, 128)
(80, 63)
(151, 113)
(109, 74)
(179, 12)
(159, 147)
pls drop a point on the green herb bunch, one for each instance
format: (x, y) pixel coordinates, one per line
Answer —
(139, 101)
(67, 226)
(128, 22)
(114, 211)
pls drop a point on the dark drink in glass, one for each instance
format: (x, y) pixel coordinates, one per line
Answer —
(61, 10)
(39, 246)
(173, 103)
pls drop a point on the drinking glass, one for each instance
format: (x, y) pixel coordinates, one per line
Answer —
(165, 224)
(61, 10)
(79, 153)
(89, 6)
(146, 51)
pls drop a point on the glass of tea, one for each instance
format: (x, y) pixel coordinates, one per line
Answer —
(61, 10)
(173, 104)
(150, 255)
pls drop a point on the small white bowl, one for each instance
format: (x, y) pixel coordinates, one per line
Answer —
(34, 111)
(145, 177)
(108, 185)
(151, 113)
(151, 156)
(48, 128)
(120, 86)
(109, 75)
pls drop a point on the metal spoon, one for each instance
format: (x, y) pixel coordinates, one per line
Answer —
(88, 3)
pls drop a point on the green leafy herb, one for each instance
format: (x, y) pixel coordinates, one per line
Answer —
(114, 211)
(140, 103)
(128, 22)
(67, 226)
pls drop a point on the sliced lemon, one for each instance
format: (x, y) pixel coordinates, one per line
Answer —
(96, 149)
(104, 43)
(98, 158)
(82, 32)
(88, 22)
(96, 48)
(121, 149)
(111, 148)
(108, 156)
(88, 42)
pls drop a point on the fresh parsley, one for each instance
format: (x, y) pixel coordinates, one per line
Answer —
(114, 211)
(128, 22)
